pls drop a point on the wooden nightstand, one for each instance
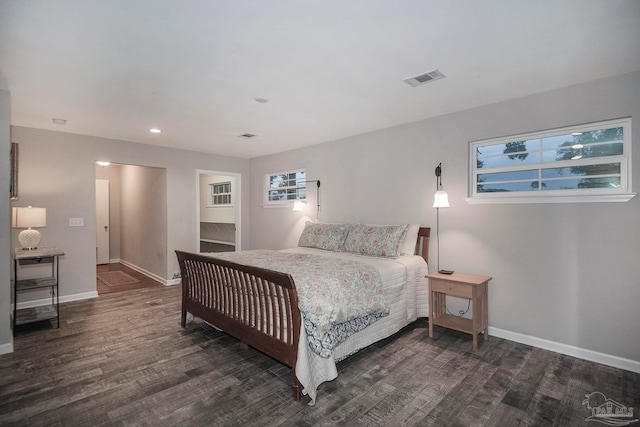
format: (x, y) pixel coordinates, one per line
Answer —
(460, 285)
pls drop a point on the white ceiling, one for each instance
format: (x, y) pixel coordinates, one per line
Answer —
(330, 68)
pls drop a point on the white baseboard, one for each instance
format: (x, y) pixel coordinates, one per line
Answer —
(172, 282)
(6, 348)
(569, 350)
(63, 298)
(143, 271)
(78, 297)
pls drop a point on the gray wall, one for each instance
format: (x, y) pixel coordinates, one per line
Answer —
(567, 273)
(6, 339)
(143, 219)
(57, 171)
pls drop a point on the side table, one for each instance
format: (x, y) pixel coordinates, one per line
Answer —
(461, 285)
(40, 256)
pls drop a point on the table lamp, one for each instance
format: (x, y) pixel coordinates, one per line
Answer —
(27, 218)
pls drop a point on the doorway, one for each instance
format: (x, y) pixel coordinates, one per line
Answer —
(136, 227)
(218, 211)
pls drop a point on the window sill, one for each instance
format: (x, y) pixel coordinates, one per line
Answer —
(277, 205)
(601, 198)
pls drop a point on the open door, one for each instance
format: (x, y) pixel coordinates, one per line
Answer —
(102, 221)
(218, 211)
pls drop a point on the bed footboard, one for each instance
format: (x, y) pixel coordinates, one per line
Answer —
(259, 307)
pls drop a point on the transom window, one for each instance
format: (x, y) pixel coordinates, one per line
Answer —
(221, 194)
(573, 164)
(283, 188)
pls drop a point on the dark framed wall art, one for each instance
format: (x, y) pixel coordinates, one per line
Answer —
(13, 185)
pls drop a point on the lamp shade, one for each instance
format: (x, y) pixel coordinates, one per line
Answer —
(29, 217)
(441, 200)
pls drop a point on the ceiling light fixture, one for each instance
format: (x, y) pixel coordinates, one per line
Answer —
(103, 163)
(155, 130)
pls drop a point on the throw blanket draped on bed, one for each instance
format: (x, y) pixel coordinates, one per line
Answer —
(337, 297)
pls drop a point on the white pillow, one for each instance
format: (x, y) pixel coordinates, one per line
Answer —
(409, 245)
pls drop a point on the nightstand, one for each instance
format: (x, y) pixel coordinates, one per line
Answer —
(461, 285)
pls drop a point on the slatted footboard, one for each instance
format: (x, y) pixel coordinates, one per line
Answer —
(259, 307)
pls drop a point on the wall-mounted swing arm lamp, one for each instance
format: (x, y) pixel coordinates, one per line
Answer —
(441, 200)
(299, 205)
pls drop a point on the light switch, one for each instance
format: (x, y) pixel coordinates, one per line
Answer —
(76, 222)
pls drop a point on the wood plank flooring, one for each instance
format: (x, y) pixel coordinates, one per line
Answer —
(123, 359)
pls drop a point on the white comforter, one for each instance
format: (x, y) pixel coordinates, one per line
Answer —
(406, 296)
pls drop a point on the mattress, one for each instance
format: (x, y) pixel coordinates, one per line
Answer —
(406, 295)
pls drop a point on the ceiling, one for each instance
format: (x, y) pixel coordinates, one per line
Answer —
(329, 68)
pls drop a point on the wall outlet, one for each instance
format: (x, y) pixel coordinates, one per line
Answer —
(76, 222)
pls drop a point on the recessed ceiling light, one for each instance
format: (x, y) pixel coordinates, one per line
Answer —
(262, 100)
(103, 163)
(59, 121)
(155, 130)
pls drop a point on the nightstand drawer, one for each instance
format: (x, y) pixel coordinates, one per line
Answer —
(451, 288)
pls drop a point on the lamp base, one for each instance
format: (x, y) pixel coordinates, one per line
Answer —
(29, 239)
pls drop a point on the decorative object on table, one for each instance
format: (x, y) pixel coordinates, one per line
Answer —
(299, 204)
(29, 218)
(441, 200)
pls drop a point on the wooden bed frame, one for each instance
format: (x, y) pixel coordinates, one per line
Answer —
(257, 306)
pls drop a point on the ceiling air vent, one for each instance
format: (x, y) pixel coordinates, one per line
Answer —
(247, 135)
(424, 78)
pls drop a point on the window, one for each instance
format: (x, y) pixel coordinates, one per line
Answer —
(586, 163)
(283, 188)
(221, 194)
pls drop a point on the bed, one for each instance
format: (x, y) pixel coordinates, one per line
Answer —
(257, 296)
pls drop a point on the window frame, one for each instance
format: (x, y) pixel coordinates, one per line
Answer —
(287, 202)
(224, 194)
(621, 194)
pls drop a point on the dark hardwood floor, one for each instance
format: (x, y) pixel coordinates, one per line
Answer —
(123, 359)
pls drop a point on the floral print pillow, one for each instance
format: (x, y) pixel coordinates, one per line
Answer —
(375, 240)
(329, 237)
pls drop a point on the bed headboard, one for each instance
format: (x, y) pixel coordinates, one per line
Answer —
(422, 245)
